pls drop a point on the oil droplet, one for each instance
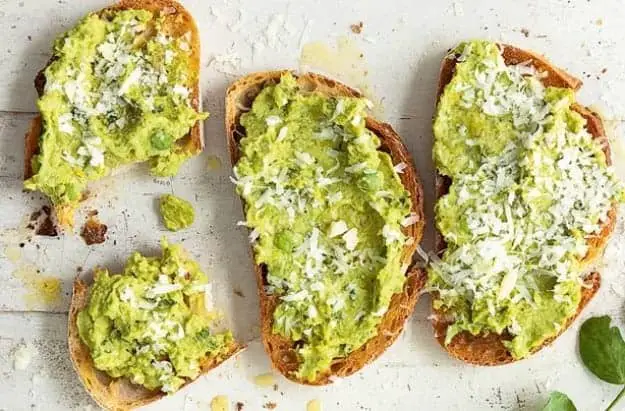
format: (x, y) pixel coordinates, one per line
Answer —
(314, 405)
(13, 254)
(265, 380)
(220, 403)
(41, 288)
(213, 163)
(345, 62)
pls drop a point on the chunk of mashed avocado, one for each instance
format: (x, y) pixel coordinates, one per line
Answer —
(325, 207)
(177, 212)
(117, 91)
(152, 323)
(529, 186)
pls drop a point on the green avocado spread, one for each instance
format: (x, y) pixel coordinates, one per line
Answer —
(530, 186)
(117, 91)
(177, 213)
(326, 209)
(153, 322)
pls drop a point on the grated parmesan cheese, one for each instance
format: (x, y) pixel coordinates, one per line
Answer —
(400, 167)
(351, 239)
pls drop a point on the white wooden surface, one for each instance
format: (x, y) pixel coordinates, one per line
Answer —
(402, 43)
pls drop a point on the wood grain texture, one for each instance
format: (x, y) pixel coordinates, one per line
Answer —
(402, 56)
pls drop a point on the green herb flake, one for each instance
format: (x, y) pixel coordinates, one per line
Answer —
(177, 213)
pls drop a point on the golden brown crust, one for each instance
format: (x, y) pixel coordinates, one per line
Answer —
(488, 349)
(114, 394)
(178, 22)
(281, 350)
(31, 145)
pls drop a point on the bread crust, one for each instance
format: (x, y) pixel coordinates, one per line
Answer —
(178, 22)
(488, 349)
(239, 97)
(114, 394)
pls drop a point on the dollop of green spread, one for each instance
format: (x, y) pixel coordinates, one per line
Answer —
(530, 186)
(117, 91)
(152, 323)
(177, 213)
(326, 209)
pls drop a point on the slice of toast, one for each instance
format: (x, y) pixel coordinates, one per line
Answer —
(282, 351)
(178, 22)
(488, 349)
(114, 394)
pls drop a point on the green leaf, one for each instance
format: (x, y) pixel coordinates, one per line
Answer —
(603, 350)
(559, 402)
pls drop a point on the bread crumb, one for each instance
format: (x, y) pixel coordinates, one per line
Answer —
(270, 405)
(357, 28)
(239, 406)
(22, 356)
(599, 22)
(458, 9)
(44, 224)
(264, 380)
(227, 63)
(525, 32)
(93, 232)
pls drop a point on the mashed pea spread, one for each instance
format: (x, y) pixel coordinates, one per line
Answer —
(152, 323)
(326, 210)
(177, 212)
(116, 92)
(530, 186)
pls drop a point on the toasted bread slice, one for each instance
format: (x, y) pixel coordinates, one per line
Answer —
(178, 23)
(114, 394)
(488, 349)
(239, 98)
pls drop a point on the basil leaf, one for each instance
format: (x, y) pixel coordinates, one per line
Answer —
(603, 350)
(559, 402)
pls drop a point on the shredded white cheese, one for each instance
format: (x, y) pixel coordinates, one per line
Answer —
(351, 239)
(337, 228)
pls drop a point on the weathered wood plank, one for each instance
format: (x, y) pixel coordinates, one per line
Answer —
(402, 46)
